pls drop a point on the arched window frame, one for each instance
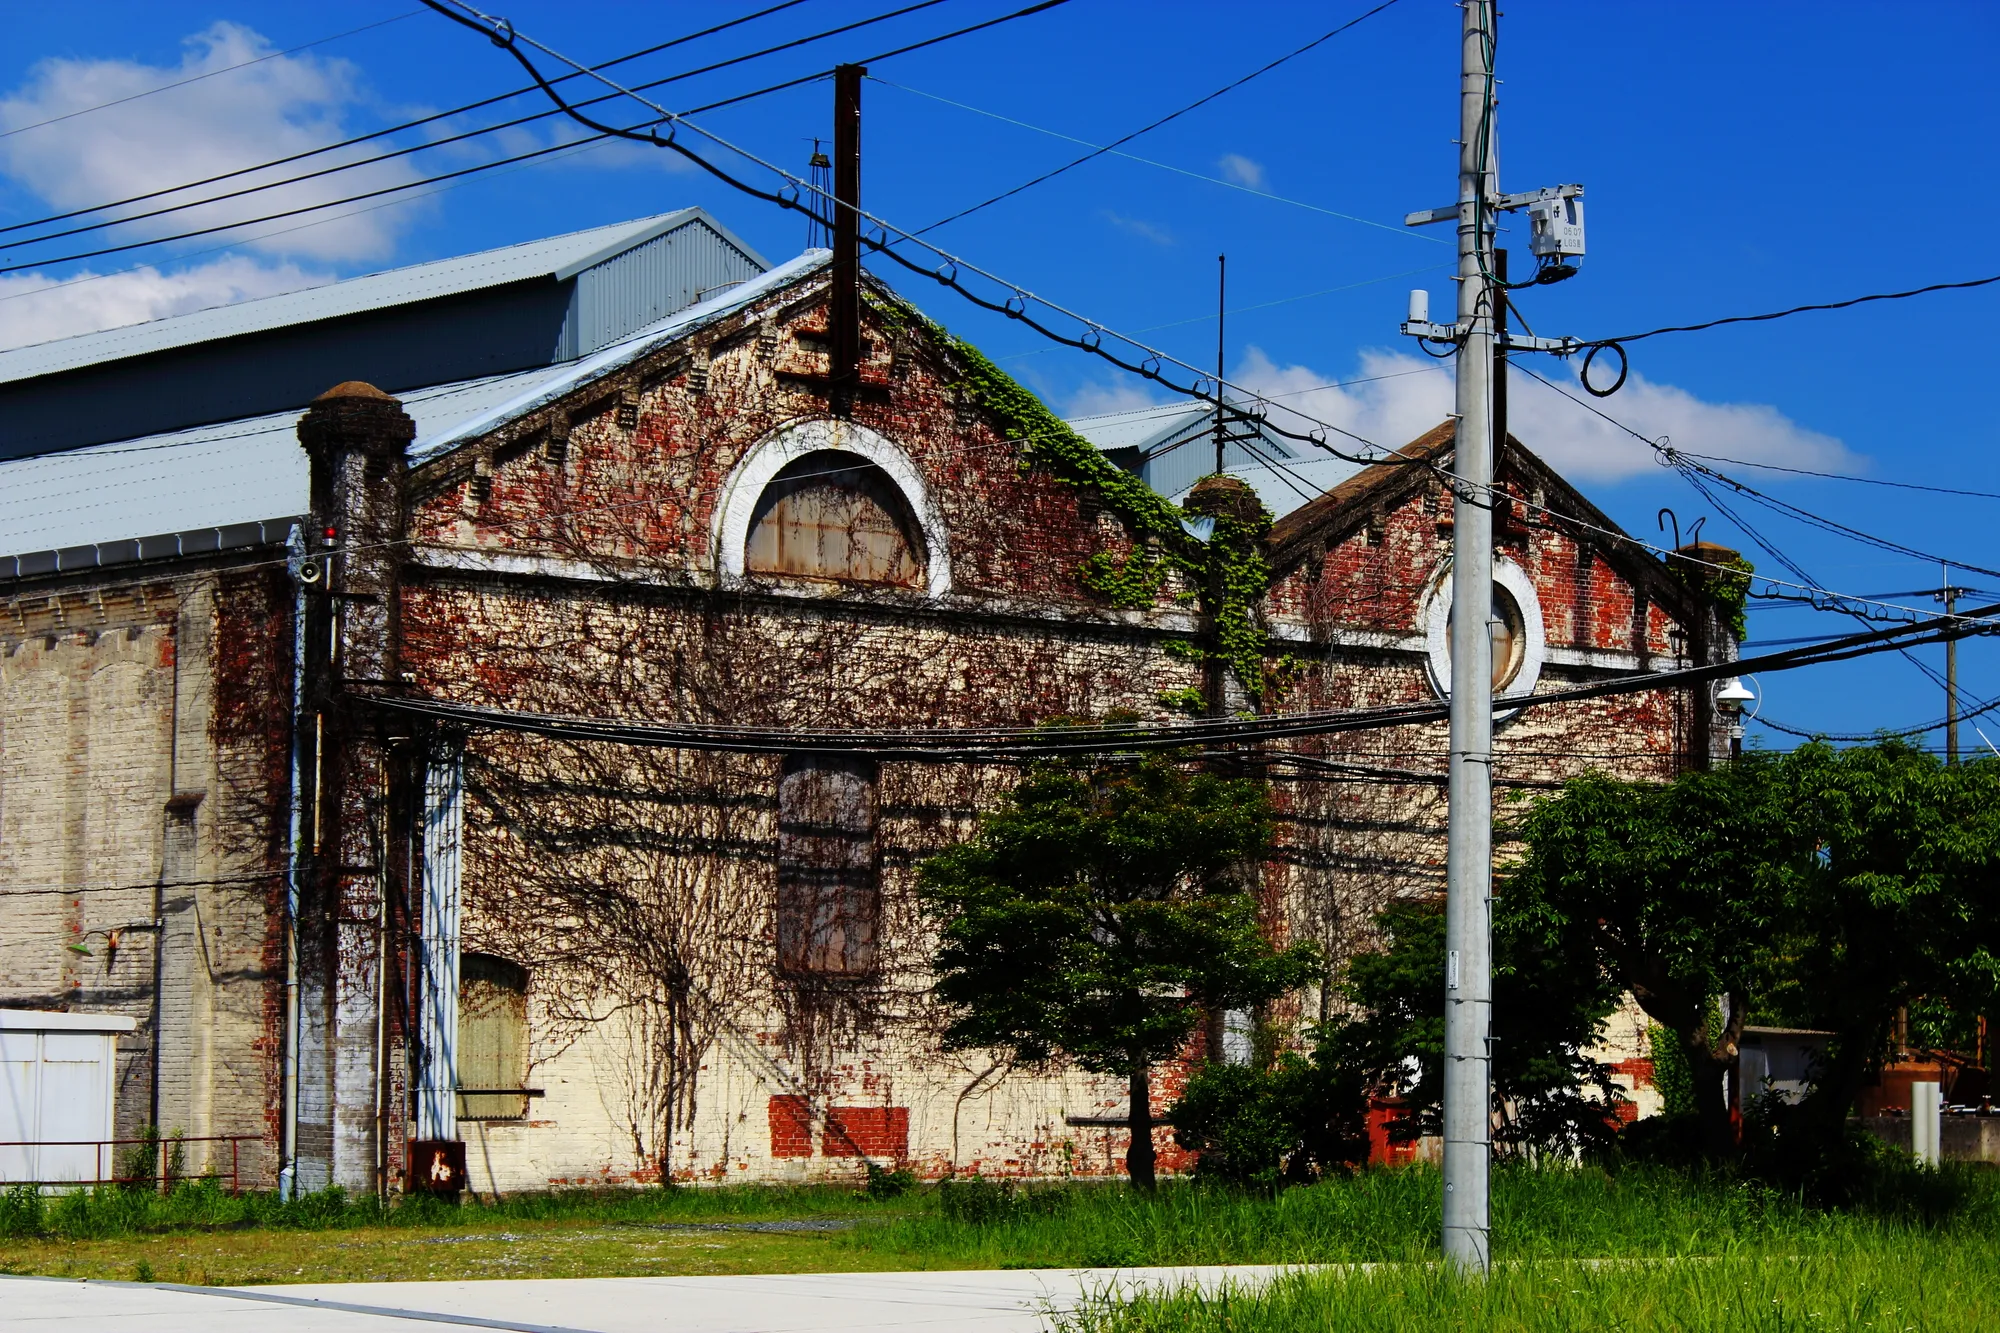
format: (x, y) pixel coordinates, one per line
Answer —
(789, 443)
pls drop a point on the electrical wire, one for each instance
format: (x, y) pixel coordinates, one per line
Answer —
(210, 74)
(1120, 142)
(1842, 476)
(1163, 166)
(1796, 310)
(406, 125)
(957, 745)
(1014, 306)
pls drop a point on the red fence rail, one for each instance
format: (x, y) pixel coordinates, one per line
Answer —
(105, 1152)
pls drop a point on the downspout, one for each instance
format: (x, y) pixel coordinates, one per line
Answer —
(295, 545)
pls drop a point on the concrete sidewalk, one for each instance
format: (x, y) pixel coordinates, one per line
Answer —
(1013, 1301)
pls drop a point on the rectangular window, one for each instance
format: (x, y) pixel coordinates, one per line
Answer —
(492, 1038)
(829, 893)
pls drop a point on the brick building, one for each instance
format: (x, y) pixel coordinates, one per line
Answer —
(251, 767)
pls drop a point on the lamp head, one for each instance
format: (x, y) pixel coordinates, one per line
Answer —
(1733, 695)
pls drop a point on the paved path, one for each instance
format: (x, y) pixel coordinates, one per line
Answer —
(1014, 1301)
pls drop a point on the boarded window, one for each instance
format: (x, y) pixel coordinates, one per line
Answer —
(492, 1038)
(829, 898)
(833, 515)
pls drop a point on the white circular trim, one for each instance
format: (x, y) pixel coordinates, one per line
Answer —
(791, 442)
(1435, 613)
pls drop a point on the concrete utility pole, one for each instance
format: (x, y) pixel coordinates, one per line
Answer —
(1469, 865)
(1221, 317)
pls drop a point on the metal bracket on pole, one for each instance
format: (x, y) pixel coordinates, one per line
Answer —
(1513, 342)
(1502, 203)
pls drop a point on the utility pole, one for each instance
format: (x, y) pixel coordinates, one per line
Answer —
(1221, 313)
(1468, 1009)
(1482, 339)
(844, 302)
(1949, 596)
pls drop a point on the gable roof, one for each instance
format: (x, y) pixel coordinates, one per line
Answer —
(87, 507)
(557, 257)
(468, 317)
(1170, 445)
(1338, 512)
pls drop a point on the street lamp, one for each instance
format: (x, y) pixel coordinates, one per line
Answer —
(1730, 700)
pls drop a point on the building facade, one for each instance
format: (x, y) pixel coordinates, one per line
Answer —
(334, 813)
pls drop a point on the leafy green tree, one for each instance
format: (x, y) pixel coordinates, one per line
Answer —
(1549, 1006)
(1673, 892)
(1098, 912)
(1825, 888)
(1898, 902)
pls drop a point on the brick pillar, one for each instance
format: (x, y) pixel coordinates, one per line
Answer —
(355, 436)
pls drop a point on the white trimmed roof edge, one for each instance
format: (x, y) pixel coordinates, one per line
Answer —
(555, 257)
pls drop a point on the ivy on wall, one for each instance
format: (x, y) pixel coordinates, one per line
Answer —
(1228, 572)
(1725, 582)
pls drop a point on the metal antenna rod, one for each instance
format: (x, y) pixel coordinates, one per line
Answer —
(1221, 313)
(1468, 1007)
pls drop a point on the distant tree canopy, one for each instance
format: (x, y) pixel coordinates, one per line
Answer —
(1821, 888)
(1099, 913)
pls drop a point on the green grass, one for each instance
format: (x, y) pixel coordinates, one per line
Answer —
(1393, 1216)
(1876, 1284)
(1661, 1238)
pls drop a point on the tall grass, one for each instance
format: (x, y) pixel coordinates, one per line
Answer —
(1876, 1284)
(107, 1211)
(1553, 1213)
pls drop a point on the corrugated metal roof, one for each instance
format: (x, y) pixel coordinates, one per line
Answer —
(247, 471)
(1139, 427)
(557, 257)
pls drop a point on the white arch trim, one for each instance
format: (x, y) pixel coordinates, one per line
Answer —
(1435, 617)
(789, 443)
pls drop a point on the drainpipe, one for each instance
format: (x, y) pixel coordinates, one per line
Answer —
(301, 568)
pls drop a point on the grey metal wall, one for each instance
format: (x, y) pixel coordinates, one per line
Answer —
(649, 282)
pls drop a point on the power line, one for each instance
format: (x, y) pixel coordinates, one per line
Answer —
(957, 745)
(209, 74)
(483, 102)
(1795, 310)
(1164, 166)
(1842, 476)
(1147, 129)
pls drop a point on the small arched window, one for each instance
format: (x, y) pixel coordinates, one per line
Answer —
(836, 516)
(492, 1038)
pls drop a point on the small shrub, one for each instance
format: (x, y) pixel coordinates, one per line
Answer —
(142, 1272)
(21, 1211)
(1289, 1123)
(885, 1183)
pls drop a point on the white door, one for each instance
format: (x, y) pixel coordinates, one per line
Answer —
(71, 1102)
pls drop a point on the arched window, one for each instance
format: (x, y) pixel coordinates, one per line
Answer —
(834, 515)
(492, 1038)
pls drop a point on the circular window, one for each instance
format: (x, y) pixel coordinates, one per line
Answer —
(1508, 633)
(1514, 624)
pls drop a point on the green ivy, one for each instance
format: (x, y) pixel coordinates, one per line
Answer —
(1728, 587)
(1229, 570)
(1188, 700)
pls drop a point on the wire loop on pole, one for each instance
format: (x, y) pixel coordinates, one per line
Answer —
(1624, 368)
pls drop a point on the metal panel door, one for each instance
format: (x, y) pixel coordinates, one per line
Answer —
(71, 1103)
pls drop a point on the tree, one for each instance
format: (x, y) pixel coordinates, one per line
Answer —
(1671, 891)
(1287, 1122)
(1549, 1006)
(1899, 901)
(1822, 888)
(1098, 913)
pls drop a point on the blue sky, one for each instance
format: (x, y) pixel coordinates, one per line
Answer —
(1737, 158)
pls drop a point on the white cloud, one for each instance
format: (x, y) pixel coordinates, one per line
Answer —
(283, 105)
(1102, 399)
(1243, 171)
(1139, 227)
(1395, 397)
(36, 309)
